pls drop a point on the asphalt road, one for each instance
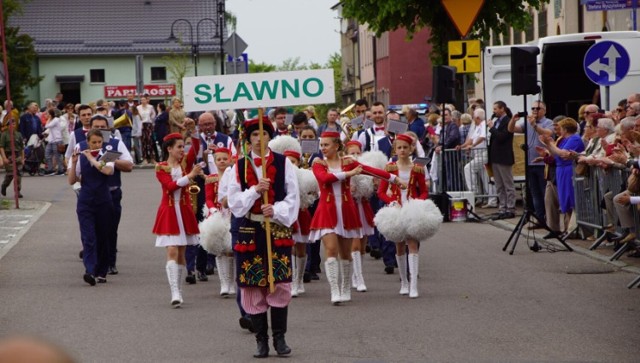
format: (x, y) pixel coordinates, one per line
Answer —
(477, 303)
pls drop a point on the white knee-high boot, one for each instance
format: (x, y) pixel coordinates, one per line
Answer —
(173, 275)
(301, 263)
(331, 270)
(413, 269)
(294, 276)
(231, 274)
(357, 271)
(181, 270)
(402, 269)
(345, 280)
(221, 263)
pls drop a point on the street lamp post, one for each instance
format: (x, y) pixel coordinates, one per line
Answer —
(195, 45)
(221, 32)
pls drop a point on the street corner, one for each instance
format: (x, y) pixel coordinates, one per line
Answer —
(14, 223)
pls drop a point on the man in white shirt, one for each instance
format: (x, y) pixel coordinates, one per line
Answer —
(369, 138)
(475, 174)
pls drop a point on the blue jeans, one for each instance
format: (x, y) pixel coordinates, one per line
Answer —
(51, 153)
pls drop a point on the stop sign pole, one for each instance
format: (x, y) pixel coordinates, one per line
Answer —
(16, 192)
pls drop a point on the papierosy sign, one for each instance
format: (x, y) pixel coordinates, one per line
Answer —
(258, 90)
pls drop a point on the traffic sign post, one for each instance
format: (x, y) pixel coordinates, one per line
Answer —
(606, 63)
(463, 13)
(465, 56)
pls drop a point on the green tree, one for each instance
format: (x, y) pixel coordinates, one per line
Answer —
(414, 15)
(293, 64)
(178, 64)
(21, 56)
(260, 67)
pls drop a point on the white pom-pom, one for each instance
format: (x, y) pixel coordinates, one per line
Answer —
(390, 224)
(422, 219)
(215, 237)
(308, 187)
(285, 143)
(374, 159)
(362, 186)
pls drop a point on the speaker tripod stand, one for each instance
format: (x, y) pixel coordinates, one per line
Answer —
(524, 220)
(527, 215)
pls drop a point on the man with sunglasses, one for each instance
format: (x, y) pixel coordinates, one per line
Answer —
(537, 125)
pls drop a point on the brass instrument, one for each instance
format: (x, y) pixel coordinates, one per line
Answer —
(346, 125)
(193, 191)
(122, 121)
(304, 163)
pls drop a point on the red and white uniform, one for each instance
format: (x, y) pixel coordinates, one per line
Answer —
(175, 223)
(337, 211)
(302, 227)
(366, 216)
(414, 178)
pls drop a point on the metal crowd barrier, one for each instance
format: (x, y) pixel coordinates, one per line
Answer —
(590, 191)
(464, 172)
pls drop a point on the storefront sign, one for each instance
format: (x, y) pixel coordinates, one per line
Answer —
(154, 90)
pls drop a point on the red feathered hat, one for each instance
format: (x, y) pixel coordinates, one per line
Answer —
(222, 150)
(406, 138)
(292, 153)
(174, 135)
(353, 143)
(332, 134)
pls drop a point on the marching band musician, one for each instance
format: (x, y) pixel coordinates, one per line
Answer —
(94, 206)
(202, 145)
(245, 198)
(415, 176)
(226, 270)
(354, 148)
(313, 247)
(175, 226)
(336, 220)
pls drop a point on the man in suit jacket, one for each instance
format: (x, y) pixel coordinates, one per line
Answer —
(502, 160)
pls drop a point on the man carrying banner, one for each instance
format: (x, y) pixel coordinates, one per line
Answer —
(245, 198)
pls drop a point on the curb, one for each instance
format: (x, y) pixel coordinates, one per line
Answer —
(580, 250)
(39, 209)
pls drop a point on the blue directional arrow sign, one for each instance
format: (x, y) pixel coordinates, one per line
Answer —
(606, 63)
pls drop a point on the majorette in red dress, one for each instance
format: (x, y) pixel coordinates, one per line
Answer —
(416, 186)
(326, 216)
(166, 219)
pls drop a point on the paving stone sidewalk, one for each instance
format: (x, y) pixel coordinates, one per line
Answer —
(14, 223)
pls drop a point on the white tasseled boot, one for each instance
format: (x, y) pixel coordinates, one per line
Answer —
(301, 263)
(221, 263)
(294, 277)
(231, 274)
(331, 270)
(173, 273)
(181, 270)
(413, 270)
(402, 268)
(345, 280)
(357, 271)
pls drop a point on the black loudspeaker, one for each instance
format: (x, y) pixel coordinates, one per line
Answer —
(444, 80)
(524, 71)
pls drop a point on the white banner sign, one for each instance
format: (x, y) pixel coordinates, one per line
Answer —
(258, 90)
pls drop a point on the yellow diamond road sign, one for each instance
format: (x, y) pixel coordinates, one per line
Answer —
(465, 56)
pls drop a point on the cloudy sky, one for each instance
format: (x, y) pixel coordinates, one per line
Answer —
(276, 30)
